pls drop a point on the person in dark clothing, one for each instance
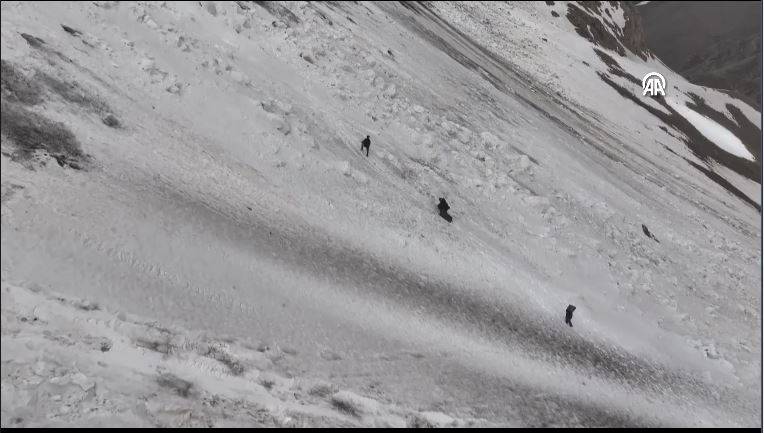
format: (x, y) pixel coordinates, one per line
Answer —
(443, 208)
(569, 314)
(365, 144)
(442, 205)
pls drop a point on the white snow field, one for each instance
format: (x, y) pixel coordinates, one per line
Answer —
(715, 132)
(192, 237)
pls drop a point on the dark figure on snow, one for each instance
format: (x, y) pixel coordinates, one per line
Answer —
(443, 208)
(365, 144)
(648, 234)
(569, 314)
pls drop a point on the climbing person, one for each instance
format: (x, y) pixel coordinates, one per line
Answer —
(443, 208)
(569, 314)
(366, 143)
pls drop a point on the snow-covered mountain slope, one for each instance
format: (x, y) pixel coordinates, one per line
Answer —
(77, 363)
(199, 165)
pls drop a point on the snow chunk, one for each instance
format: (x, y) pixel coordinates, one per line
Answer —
(354, 404)
(346, 169)
(433, 420)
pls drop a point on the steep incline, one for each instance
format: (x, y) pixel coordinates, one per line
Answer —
(199, 164)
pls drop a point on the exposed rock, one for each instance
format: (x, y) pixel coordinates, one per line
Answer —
(592, 27)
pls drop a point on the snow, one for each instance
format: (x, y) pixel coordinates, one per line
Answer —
(718, 134)
(83, 366)
(747, 186)
(233, 208)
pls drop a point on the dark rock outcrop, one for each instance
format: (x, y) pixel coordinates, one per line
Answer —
(592, 20)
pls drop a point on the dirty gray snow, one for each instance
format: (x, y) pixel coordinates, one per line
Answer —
(191, 235)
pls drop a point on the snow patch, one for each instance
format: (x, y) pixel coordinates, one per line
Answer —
(716, 133)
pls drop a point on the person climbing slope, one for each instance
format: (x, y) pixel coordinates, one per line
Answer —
(443, 208)
(569, 314)
(365, 144)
